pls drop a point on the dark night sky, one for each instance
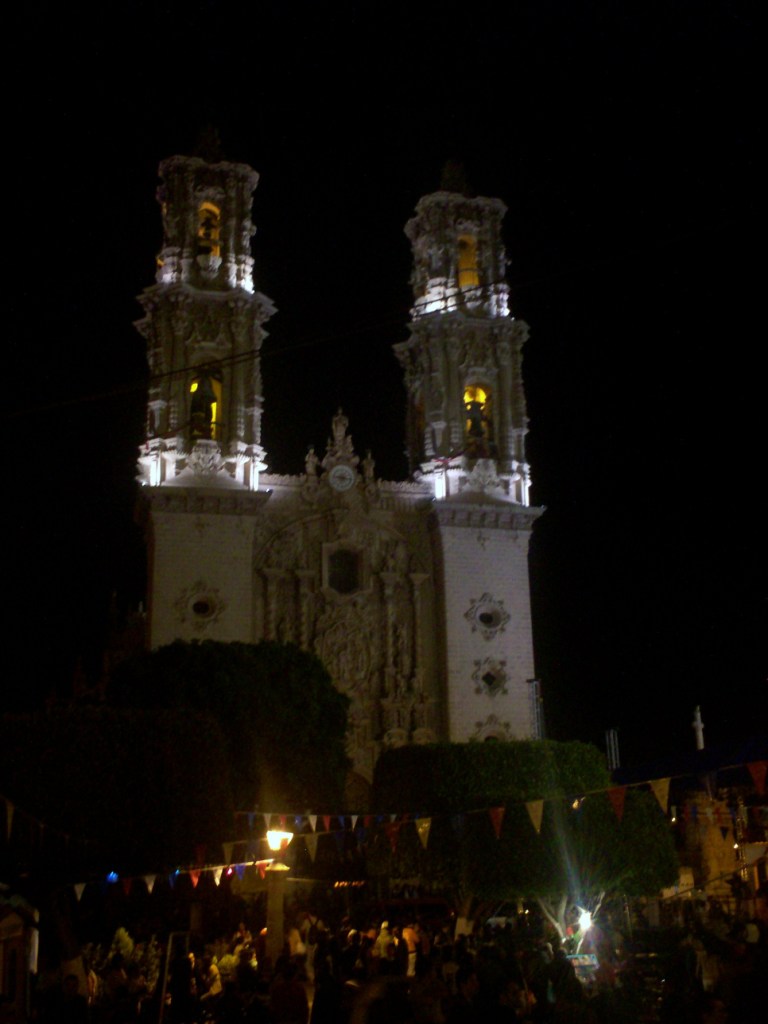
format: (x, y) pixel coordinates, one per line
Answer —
(624, 140)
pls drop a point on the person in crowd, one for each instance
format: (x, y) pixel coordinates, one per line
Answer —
(462, 1007)
(288, 1001)
(382, 943)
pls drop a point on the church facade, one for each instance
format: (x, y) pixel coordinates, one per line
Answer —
(415, 594)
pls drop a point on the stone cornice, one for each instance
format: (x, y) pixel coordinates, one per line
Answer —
(183, 500)
(519, 518)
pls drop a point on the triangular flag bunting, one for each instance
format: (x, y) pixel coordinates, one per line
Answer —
(367, 820)
(240, 871)
(149, 881)
(497, 816)
(758, 769)
(261, 867)
(724, 832)
(354, 818)
(217, 873)
(283, 821)
(392, 829)
(423, 825)
(195, 876)
(311, 841)
(251, 820)
(267, 820)
(327, 822)
(617, 796)
(535, 813)
(660, 788)
(79, 889)
(312, 821)
(127, 883)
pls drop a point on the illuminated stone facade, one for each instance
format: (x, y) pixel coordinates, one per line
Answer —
(415, 594)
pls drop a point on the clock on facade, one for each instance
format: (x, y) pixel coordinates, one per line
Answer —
(341, 477)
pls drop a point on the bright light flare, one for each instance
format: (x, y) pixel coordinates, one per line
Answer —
(585, 921)
(277, 840)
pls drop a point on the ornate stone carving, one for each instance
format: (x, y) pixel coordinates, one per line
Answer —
(490, 676)
(200, 606)
(487, 616)
(483, 478)
(492, 728)
(345, 641)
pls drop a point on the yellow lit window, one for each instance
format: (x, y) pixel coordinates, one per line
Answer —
(477, 405)
(209, 230)
(205, 405)
(468, 273)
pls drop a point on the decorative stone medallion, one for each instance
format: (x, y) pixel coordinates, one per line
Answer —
(490, 676)
(487, 616)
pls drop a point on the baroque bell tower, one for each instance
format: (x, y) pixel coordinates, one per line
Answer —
(203, 326)
(202, 455)
(466, 426)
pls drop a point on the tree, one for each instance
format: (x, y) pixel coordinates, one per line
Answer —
(101, 788)
(283, 721)
(582, 853)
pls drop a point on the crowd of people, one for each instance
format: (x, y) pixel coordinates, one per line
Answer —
(407, 972)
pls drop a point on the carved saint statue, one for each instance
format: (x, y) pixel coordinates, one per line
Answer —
(310, 462)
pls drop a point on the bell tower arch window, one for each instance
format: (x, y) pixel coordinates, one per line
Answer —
(205, 407)
(208, 230)
(478, 423)
(469, 276)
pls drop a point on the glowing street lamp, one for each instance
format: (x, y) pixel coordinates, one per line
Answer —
(276, 873)
(278, 841)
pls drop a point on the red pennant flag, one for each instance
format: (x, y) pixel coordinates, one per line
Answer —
(195, 876)
(262, 868)
(497, 816)
(327, 822)
(617, 795)
(311, 842)
(758, 769)
(127, 883)
(367, 820)
(392, 828)
(282, 820)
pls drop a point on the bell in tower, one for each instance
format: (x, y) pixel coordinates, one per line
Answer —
(203, 324)
(463, 361)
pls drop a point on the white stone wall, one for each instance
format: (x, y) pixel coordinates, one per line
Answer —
(200, 559)
(486, 574)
